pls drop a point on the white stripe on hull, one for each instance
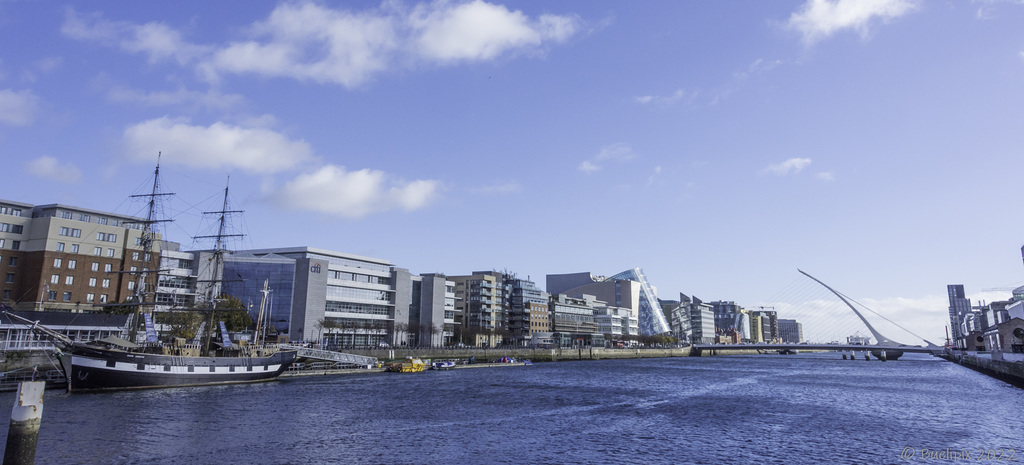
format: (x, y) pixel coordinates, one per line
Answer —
(88, 362)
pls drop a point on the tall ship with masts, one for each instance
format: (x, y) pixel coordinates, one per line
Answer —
(116, 363)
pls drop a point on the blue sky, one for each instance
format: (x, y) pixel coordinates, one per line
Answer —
(719, 146)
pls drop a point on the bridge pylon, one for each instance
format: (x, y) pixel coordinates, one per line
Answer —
(879, 338)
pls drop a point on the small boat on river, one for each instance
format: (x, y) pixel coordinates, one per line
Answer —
(409, 365)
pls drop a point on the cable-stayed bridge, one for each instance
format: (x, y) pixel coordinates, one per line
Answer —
(883, 349)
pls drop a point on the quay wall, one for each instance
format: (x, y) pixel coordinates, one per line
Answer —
(15, 360)
(1003, 370)
(536, 355)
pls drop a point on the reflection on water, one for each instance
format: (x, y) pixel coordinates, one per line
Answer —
(764, 409)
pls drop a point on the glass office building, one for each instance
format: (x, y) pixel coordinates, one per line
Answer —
(319, 294)
(250, 272)
(652, 318)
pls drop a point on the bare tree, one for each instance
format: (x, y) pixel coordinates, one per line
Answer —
(435, 329)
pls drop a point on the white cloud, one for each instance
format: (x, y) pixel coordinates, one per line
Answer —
(589, 167)
(218, 146)
(211, 99)
(793, 165)
(157, 40)
(478, 30)
(312, 42)
(665, 99)
(47, 167)
(616, 152)
(355, 194)
(17, 108)
(308, 41)
(819, 19)
(825, 176)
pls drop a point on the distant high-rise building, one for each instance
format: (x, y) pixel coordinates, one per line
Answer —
(730, 318)
(702, 322)
(791, 331)
(959, 306)
(764, 326)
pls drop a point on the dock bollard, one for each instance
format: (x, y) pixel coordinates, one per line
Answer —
(26, 417)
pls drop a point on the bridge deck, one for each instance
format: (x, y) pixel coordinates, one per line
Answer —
(918, 349)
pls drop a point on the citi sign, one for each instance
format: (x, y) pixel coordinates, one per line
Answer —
(315, 268)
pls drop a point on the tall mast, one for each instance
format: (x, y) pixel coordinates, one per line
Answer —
(214, 290)
(146, 240)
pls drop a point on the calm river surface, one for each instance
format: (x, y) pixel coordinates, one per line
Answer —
(736, 409)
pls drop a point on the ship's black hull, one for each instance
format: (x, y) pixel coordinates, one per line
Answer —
(90, 369)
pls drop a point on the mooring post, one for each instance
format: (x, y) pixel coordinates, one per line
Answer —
(26, 417)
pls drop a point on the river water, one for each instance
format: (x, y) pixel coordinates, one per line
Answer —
(813, 408)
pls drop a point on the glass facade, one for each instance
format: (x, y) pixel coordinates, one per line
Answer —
(652, 319)
(250, 274)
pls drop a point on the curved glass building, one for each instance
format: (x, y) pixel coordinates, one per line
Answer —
(652, 319)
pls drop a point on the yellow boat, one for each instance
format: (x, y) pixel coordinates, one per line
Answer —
(410, 365)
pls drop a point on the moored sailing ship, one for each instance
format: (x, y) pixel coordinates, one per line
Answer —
(116, 363)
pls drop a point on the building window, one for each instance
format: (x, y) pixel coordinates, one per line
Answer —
(55, 279)
(85, 218)
(13, 261)
(11, 228)
(65, 215)
(134, 269)
(90, 298)
(108, 268)
(10, 277)
(148, 257)
(92, 282)
(101, 220)
(97, 251)
(2, 242)
(74, 248)
(106, 283)
(131, 285)
(95, 266)
(60, 246)
(70, 232)
(52, 295)
(69, 280)
(67, 296)
(135, 255)
(57, 262)
(110, 253)
(15, 245)
(7, 294)
(72, 264)
(103, 298)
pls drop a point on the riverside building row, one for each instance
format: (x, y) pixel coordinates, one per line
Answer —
(63, 258)
(996, 328)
